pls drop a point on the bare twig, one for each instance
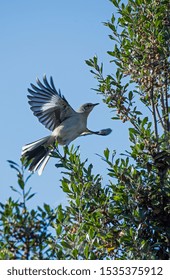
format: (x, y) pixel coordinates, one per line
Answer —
(166, 101)
(163, 108)
(154, 116)
(159, 117)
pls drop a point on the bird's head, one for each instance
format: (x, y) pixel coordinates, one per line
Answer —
(87, 107)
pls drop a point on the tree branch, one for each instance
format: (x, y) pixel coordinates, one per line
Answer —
(166, 99)
(159, 117)
(154, 116)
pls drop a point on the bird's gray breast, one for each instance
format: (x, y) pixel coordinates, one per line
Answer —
(70, 129)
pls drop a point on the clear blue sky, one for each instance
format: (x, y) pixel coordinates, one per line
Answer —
(52, 37)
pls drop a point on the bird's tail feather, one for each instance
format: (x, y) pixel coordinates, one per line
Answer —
(38, 153)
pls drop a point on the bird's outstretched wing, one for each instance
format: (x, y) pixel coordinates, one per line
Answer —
(48, 105)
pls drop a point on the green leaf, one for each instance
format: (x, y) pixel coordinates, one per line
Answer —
(144, 121)
(91, 233)
(29, 197)
(115, 118)
(95, 59)
(75, 253)
(117, 197)
(106, 153)
(89, 63)
(65, 187)
(66, 244)
(60, 215)
(59, 229)
(47, 208)
(86, 251)
(130, 96)
(21, 183)
(115, 3)
(59, 165)
(112, 27)
(14, 165)
(112, 19)
(15, 190)
(133, 131)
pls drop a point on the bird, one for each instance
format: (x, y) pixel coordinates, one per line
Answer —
(56, 114)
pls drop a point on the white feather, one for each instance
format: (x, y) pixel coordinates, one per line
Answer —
(48, 106)
(43, 164)
(33, 145)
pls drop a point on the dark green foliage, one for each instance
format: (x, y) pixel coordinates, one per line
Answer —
(23, 232)
(141, 36)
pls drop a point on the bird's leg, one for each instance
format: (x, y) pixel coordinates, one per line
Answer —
(103, 132)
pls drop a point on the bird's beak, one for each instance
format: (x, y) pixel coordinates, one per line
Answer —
(95, 104)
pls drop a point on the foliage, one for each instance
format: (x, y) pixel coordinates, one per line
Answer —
(128, 218)
(23, 232)
(141, 53)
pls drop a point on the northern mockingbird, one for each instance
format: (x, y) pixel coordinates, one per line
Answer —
(54, 111)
